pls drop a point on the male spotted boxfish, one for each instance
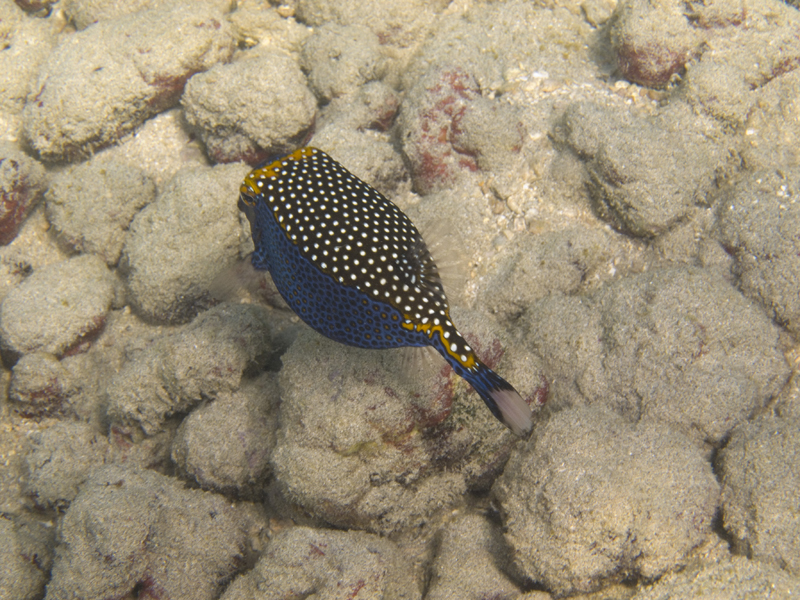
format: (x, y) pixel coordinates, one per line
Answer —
(352, 265)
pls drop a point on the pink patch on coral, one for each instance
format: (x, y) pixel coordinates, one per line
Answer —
(441, 404)
(435, 162)
(651, 65)
(87, 336)
(16, 200)
(539, 395)
(47, 401)
(384, 115)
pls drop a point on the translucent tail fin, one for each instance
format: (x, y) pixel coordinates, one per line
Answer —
(502, 399)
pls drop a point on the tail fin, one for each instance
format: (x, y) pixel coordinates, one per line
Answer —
(502, 399)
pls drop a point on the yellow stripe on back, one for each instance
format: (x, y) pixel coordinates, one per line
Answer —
(250, 185)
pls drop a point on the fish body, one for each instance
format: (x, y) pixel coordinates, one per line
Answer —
(352, 265)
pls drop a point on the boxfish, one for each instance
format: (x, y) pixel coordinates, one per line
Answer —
(352, 265)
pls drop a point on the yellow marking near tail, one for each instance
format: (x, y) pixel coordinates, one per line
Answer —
(430, 329)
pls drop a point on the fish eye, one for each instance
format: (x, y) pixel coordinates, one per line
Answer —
(246, 204)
